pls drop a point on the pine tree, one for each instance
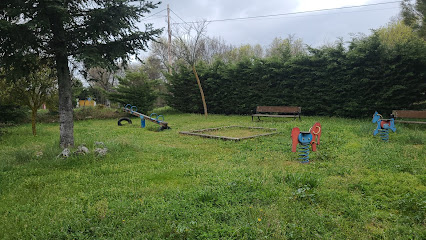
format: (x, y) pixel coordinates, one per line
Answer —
(94, 32)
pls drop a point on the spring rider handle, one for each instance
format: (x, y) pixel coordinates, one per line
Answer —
(316, 133)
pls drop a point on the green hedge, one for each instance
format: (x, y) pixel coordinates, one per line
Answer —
(334, 81)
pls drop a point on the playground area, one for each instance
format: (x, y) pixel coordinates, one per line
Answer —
(165, 185)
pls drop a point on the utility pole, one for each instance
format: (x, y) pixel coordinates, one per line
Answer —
(170, 40)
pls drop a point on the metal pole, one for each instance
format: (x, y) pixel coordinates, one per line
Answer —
(170, 40)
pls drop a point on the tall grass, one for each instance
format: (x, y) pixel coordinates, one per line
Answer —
(162, 185)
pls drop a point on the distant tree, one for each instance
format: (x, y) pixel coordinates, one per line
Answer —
(136, 89)
(414, 15)
(95, 32)
(395, 32)
(209, 48)
(159, 50)
(102, 81)
(101, 77)
(286, 48)
(153, 68)
(212, 48)
(34, 90)
(236, 54)
(77, 88)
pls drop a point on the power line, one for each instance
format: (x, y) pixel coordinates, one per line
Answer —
(161, 16)
(287, 14)
(180, 24)
(153, 14)
(179, 17)
(177, 24)
(333, 13)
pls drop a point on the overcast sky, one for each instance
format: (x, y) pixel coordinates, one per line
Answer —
(315, 28)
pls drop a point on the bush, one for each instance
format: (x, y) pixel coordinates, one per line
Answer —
(136, 89)
(14, 114)
(97, 113)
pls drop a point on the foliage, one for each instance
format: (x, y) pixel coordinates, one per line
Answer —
(52, 104)
(83, 113)
(162, 185)
(34, 89)
(136, 89)
(371, 74)
(396, 32)
(414, 15)
(10, 113)
(96, 33)
(240, 53)
(286, 48)
(101, 82)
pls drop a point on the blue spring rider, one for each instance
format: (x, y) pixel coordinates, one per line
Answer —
(383, 126)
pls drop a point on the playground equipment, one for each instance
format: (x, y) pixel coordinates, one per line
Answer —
(303, 139)
(383, 126)
(128, 120)
(133, 110)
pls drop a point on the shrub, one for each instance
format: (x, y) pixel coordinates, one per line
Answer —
(136, 89)
(14, 114)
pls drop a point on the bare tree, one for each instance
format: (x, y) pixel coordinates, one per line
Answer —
(212, 48)
(189, 46)
(159, 50)
(103, 79)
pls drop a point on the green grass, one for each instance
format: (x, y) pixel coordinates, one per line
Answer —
(236, 131)
(163, 185)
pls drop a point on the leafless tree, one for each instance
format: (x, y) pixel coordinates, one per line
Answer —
(103, 78)
(159, 51)
(189, 46)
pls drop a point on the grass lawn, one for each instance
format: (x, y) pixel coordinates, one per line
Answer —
(163, 185)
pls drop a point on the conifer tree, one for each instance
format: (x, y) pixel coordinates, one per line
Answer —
(94, 32)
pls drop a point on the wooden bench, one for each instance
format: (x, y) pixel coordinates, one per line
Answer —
(277, 111)
(409, 114)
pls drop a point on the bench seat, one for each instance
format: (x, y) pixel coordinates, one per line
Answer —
(409, 114)
(277, 111)
(269, 115)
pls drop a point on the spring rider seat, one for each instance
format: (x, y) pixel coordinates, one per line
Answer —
(383, 126)
(303, 139)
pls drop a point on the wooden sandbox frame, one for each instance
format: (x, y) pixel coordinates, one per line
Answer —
(199, 133)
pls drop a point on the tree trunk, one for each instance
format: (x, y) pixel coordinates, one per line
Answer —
(201, 90)
(33, 120)
(66, 125)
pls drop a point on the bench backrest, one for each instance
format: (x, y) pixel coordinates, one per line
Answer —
(409, 114)
(278, 109)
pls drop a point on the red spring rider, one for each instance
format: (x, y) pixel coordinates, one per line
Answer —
(303, 139)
